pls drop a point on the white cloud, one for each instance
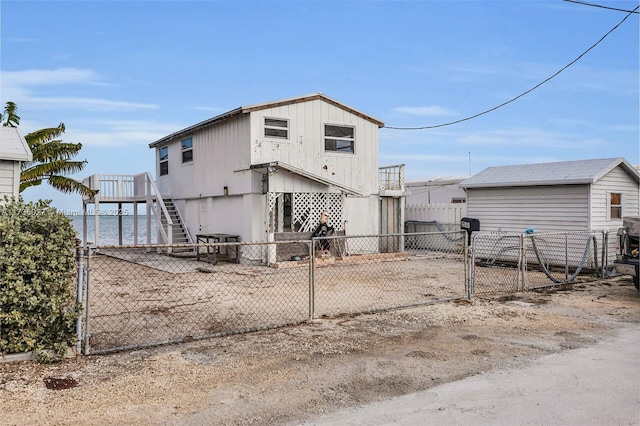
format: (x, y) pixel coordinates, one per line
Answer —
(18, 86)
(91, 104)
(426, 111)
(48, 77)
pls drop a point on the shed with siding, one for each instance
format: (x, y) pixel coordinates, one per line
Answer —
(13, 151)
(569, 195)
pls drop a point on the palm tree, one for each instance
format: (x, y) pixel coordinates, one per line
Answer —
(51, 157)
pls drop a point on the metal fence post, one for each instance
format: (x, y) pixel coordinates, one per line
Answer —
(605, 252)
(79, 297)
(523, 264)
(312, 280)
(86, 298)
(467, 267)
(470, 262)
(566, 257)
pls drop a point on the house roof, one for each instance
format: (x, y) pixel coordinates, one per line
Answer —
(558, 173)
(266, 105)
(439, 181)
(13, 146)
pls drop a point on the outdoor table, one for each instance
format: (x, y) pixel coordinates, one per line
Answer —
(213, 255)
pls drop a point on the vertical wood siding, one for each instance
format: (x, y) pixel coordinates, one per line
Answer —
(445, 213)
(305, 146)
(546, 208)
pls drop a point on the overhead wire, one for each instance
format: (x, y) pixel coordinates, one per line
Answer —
(524, 93)
(600, 6)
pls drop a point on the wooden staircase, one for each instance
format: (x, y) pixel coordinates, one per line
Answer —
(180, 233)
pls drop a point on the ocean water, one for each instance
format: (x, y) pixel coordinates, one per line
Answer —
(109, 229)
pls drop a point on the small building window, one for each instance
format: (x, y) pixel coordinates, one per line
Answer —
(615, 205)
(164, 160)
(339, 139)
(276, 128)
(187, 150)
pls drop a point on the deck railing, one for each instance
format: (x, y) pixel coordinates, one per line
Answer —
(129, 189)
(391, 178)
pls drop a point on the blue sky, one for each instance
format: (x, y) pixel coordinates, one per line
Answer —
(122, 74)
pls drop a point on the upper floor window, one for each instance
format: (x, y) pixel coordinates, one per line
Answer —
(339, 138)
(187, 150)
(164, 160)
(276, 128)
(615, 205)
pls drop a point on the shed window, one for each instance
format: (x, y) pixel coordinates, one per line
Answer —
(339, 139)
(187, 150)
(164, 160)
(615, 205)
(276, 128)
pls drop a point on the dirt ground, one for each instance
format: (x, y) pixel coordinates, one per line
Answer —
(289, 375)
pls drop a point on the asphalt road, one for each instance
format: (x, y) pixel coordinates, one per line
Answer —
(597, 385)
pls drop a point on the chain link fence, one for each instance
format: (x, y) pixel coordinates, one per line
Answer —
(144, 296)
(517, 262)
(372, 273)
(150, 295)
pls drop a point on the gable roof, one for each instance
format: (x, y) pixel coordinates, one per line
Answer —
(257, 107)
(558, 173)
(13, 146)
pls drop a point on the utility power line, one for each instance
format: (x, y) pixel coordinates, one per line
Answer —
(601, 6)
(526, 92)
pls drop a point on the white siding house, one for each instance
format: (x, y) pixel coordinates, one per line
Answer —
(273, 167)
(443, 190)
(570, 195)
(13, 151)
(264, 171)
(440, 200)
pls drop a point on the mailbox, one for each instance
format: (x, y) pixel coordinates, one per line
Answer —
(469, 224)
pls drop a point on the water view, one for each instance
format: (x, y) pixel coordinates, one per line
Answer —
(109, 229)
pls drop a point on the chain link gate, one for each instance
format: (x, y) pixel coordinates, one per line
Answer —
(503, 263)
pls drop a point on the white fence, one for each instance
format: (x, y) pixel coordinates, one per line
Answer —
(450, 213)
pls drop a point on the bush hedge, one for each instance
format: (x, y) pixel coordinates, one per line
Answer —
(38, 308)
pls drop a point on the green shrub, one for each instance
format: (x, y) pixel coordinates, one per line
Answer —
(38, 308)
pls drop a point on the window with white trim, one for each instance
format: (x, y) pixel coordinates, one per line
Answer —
(339, 139)
(276, 128)
(187, 150)
(163, 156)
(615, 205)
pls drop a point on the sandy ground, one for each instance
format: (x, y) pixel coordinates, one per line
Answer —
(290, 375)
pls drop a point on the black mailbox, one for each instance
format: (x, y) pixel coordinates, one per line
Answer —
(469, 224)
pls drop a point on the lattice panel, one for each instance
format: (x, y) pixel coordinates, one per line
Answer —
(307, 208)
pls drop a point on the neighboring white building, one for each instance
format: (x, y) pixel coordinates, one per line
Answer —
(272, 168)
(569, 195)
(435, 200)
(443, 190)
(13, 151)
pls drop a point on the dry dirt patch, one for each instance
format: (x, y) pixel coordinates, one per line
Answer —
(287, 375)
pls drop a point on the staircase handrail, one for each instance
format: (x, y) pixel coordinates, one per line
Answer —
(153, 191)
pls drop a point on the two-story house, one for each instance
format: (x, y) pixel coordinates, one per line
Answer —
(270, 168)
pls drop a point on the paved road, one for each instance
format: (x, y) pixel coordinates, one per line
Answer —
(598, 385)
